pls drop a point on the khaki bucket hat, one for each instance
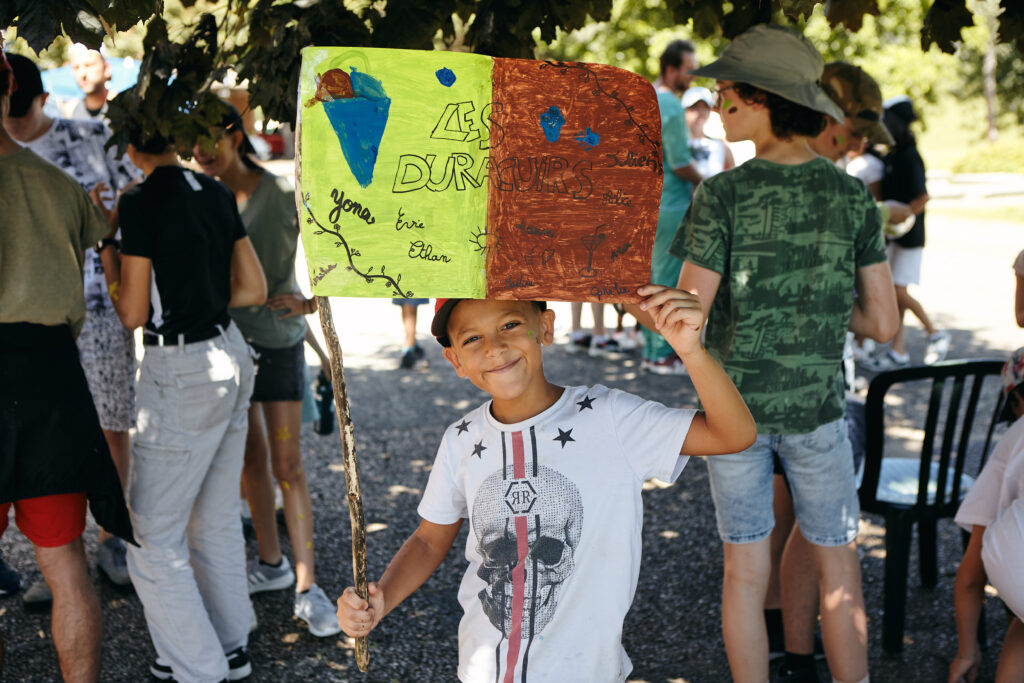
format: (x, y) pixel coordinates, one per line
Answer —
(858, 96)
(778, 60)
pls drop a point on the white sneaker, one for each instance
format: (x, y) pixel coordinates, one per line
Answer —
(264, 577)
(314, 608)
(938, 347)
(625, 340)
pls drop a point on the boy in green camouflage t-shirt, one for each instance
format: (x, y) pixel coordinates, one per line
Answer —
(775, 250)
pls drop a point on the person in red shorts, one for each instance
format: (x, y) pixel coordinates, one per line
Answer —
(53, 457)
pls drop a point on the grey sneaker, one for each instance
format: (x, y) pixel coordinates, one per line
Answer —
(314, 608)
(111, 559)
(38, 596)
(264, 577)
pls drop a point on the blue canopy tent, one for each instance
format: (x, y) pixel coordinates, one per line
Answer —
(60, 82)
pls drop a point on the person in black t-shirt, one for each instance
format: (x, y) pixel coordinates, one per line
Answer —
(185, 259)
(904, 180)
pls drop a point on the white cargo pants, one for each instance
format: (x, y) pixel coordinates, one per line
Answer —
(189, 568)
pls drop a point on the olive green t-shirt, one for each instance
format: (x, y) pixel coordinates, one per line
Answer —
(47, 221)
(271, 222)
(787, 241)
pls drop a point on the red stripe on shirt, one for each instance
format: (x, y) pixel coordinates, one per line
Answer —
(519, 573)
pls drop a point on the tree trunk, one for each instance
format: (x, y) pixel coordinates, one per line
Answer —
(988, 74)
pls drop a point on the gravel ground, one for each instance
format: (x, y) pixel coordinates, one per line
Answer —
(672, 632)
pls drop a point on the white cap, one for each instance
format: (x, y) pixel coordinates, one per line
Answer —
(698, 94)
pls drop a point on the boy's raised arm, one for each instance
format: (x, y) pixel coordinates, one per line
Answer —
(413, 564)
(725, 425)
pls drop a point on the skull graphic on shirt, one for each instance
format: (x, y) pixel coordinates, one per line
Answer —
(550, 511)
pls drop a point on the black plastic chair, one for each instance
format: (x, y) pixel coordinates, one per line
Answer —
(922, 491)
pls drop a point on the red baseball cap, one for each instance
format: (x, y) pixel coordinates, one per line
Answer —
(439, 325)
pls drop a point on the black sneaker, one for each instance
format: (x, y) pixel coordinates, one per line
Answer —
(412, 358)
(787, 675)
(324, 422)
(10, 580)
(239, 667)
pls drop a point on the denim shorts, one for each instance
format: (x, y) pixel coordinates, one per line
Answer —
(819, 467)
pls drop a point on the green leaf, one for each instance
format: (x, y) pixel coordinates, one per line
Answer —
(800, 8)
(1011, 23)
(943, 24)
(850, 13)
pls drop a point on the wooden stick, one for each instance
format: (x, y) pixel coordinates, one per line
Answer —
(348, 452)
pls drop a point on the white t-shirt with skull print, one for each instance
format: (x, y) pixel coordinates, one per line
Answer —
(555, 512)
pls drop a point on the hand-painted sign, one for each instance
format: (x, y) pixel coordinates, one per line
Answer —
(442, 174)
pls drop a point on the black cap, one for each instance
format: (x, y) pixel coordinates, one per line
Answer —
(233, 121)
(30, 84)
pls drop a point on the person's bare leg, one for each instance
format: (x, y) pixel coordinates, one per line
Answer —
(909, 303)
(782, 506)
(120, 452)
(259, 488)
(325, 361)
(799, 594)
(409, 324)
(597, 310)
(743, 590)
(899, 344)
(284, 420)
(844, 624)
(1011, 656)
(76, 619)
(576, 315)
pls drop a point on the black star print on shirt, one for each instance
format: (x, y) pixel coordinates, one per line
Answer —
(479, 448)
(563, 437)
(586, 403)
(462, 426)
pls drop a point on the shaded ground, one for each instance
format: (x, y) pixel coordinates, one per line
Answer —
(673, 630)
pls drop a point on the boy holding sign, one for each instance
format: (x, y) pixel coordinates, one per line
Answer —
(550, 478)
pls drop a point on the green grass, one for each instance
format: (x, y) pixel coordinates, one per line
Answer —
(1007, 213)
(955, 139)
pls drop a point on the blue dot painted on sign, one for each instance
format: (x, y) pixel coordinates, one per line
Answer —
(445, 76)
